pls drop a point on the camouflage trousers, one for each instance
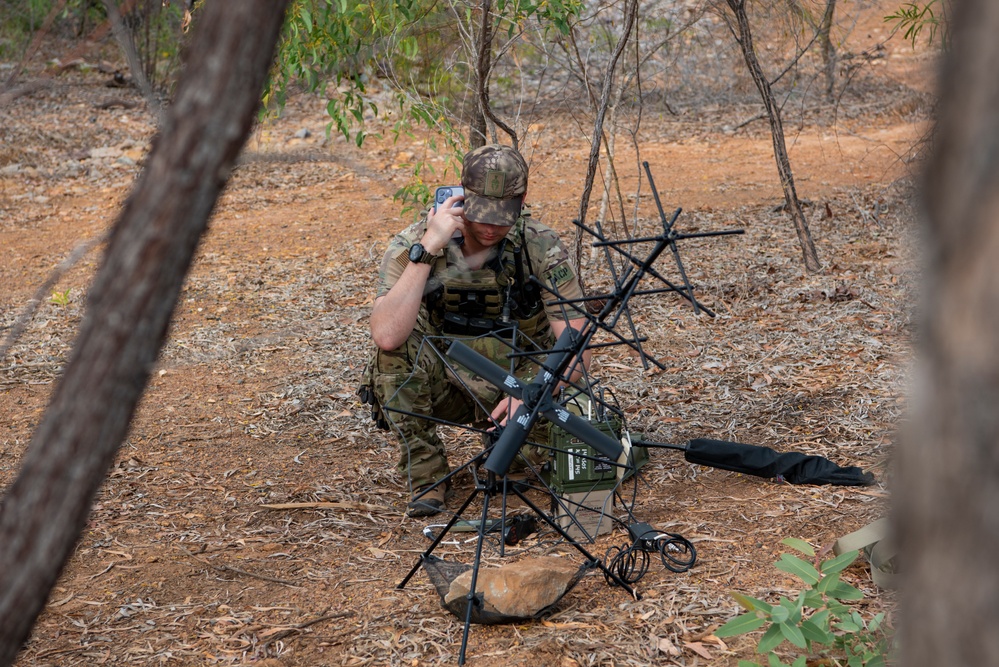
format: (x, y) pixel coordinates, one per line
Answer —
(413, 387)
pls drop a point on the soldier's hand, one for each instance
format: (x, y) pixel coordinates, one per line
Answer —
(504, 409)
(442, 223)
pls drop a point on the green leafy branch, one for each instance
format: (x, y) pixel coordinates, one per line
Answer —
(913, 18)
(445, 140)
(338, 47)
(331, 42)
(818, 620)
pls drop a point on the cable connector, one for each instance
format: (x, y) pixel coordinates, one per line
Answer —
(644, 536)
(676, 551)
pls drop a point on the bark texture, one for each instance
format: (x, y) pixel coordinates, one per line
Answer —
(948, 505)
(130, 305)
(483, 70)
(828, 49)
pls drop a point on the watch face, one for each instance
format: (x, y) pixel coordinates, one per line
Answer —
(415, 252)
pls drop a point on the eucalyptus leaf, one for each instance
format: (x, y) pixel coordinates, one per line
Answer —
(839, 563)
(770, 640)
(799, 545)
(750, 603)
(793, 634)
(799, 568)
(740, 625)
(779, 614)
(844, 591)
(848, 626)
(813, 599)
(815, 633)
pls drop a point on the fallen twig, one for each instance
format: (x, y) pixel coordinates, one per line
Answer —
(236, 570)
(342, 505)
(264, 577)
(281, 634)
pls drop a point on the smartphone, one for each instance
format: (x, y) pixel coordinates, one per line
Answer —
(440, 196)
(443, 192)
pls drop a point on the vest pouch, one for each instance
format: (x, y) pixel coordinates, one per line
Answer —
(479, 325)
(459, 325)
(455, 324)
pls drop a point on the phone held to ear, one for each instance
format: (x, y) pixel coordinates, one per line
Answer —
(441, 195)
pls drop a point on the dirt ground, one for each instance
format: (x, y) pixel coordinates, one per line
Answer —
(252, 404)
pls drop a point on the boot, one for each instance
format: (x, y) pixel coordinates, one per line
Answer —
(431, 501)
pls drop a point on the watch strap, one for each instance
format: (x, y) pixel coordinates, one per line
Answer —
(424, 258)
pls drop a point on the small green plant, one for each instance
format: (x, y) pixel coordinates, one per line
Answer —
(818, 620)
(60, 299)
(913, 17)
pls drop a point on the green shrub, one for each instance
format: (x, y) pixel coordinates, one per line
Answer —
(818, 621)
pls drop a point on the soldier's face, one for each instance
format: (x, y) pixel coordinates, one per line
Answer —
(486, 235)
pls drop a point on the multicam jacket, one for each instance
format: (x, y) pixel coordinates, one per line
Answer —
(477, 306)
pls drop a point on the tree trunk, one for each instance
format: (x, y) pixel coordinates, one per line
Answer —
(947, 514)
(791, 201)
(478, 131)
(130, 305)
(828, 49)
(596, 140)
(483, 70)
(127, 45)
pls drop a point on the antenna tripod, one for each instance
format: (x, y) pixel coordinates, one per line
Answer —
(536, 397)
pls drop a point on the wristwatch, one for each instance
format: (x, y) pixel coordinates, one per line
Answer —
(419, 254)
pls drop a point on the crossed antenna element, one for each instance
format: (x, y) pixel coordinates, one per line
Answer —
(537, 397)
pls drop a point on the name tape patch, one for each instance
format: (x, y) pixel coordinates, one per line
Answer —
(559, 275)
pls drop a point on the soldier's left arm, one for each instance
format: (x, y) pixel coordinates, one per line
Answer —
(580, 363)
(557, 271)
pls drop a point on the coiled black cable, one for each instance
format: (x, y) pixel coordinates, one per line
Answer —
(677, 552)
(631, 562)
(627, 562)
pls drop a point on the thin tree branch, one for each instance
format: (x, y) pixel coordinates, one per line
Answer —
(124, 38)
(484, 67)
(597, 137)
(35, 42)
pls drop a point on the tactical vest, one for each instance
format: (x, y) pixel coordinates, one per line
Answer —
(491, 300)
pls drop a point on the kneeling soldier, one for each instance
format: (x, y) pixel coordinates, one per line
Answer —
(462, 272)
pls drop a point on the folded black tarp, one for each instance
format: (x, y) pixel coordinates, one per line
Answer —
(792, 467)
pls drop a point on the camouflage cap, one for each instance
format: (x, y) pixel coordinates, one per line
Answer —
(495, 180)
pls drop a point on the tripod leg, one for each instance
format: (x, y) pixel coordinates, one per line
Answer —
(437, 540)
(579, 547)
(689, 291)
(471, 600)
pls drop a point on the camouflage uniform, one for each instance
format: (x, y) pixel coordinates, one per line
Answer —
(461, 303)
